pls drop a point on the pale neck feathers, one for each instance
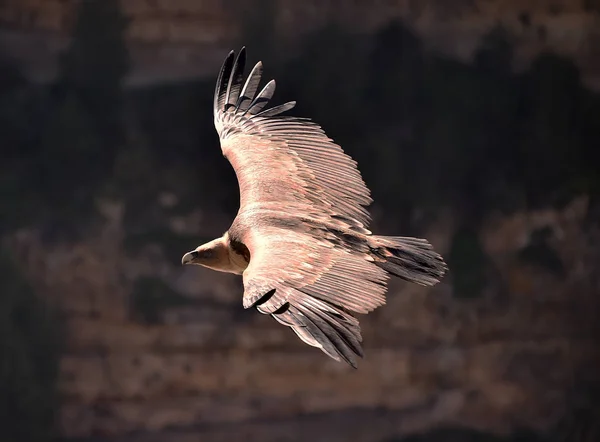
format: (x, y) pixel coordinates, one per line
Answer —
(217, 255)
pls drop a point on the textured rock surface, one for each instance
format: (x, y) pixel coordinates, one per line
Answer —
(205, 368)
(178, 38)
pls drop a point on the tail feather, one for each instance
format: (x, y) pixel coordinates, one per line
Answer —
(412, 259)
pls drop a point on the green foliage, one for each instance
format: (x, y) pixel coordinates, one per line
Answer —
(30, 345)
(151, 297)
(20, 105)
(96, 63)
(553, 118)
(69, 141)
(468, 264)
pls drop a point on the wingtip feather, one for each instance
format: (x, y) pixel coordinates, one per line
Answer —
(232, 92)
(263, 97)
(221, 83)
(250, 87)
(234, 83)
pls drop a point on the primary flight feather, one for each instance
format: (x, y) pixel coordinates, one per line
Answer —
(300, 238)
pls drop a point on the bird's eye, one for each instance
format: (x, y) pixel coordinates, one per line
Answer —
(207, 254)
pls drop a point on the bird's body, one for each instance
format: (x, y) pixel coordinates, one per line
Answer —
(300, 238)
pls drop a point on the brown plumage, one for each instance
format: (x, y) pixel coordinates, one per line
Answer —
(300, 238)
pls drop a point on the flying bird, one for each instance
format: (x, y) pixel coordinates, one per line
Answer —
(300, 239)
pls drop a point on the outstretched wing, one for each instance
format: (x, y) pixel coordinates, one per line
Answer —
(280, 161)
(308, 283)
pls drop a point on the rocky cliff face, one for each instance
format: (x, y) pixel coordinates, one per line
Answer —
(160, 352)
(178, 38)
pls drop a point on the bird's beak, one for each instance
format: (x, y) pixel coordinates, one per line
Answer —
(189, 257)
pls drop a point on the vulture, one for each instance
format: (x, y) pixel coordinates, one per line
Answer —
(301, 237)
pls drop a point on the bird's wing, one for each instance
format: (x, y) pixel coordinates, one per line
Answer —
(289, 168)
(283, 162)
(306, 282)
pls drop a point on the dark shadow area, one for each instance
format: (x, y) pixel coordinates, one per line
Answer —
(30, 348)
(468, 435)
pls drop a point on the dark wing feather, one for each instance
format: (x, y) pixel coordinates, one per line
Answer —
(277, 109)
(250, 87)
(222, 82)
(262, 98)
(235, 80)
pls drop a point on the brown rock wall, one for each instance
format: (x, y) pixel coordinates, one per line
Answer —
(509, 358)
(188, 30)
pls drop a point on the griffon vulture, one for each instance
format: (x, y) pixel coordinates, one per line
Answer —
(300, 238)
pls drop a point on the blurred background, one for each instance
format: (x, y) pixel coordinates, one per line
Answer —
(476, 123)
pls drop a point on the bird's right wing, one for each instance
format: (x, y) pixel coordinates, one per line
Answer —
(283, 162)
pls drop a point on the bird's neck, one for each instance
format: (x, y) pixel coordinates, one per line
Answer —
(223, 257)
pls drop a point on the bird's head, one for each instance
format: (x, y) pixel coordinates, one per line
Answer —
(213, 254)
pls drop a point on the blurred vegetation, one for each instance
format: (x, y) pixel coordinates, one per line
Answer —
(469, 264)
(63, 139)
(59, 144)
(30, 336)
